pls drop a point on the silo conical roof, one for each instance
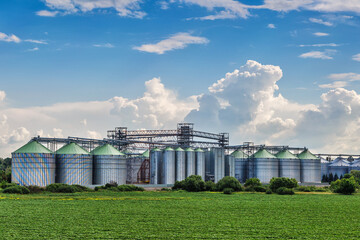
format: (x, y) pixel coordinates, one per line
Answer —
(339, 163)
(146, 154)
(168, 149)
(306, 154)
(189, 149)
(155, 149)
(199, 150)
(33, 147)
(239, 154)
(72, 148)
(126, 151)
(285, 154)
(262, 153)
(179, 149)
(106, 149)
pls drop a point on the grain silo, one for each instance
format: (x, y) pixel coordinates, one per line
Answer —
(133, 163)
(229, 165)
(217, 160)
(355, 165)
(190, 161)
(241, 165)
(324, 167)
(310, 167)
(266, 165)
(289, 165)
(339, 167)
(155, 161)
(74, 165)
(33, 164)
(180, 164)
(168, 166)
(200, 163)
(109, 165)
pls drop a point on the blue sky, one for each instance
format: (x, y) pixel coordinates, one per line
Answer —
(72, 51)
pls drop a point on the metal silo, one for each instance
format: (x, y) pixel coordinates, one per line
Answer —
(241, 165)
(134, 163)
(324, 167)
(230, 165)
(310, 167)
(74, 165)
(33, 164)
(200, 162)
(168, 166)
(109, 165)
(217, 159)
(289, 165)
(339, 167)
(266, 165)
(155, 161)
(180, 164)
(355, 165)
(190, 162)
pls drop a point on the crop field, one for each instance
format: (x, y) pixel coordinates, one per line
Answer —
(179, 215)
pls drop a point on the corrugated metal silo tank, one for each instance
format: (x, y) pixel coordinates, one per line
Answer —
(229, 165)
(180, 164)
(168, 166)
(74, 165)
(133, 163)
(266, 165)
(339, 166)
(324, 167)
(190, 162)
(109, 165)
(241, 165)
(355, 165)
(289, 165)
(33, 164)
(310, 167)
(200, 163)
(217, 160)
(155, 161)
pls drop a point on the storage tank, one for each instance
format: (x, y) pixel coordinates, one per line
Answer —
(168, 166)
(289, 165)
(190, 162)
(200, 163)
(339, 166)
(109, 165)
(180, 164)
(355, 165)
(33, 164)
(74, 165)
(229, 165)
(217, 159)
(155, 162)
(241, 165)
(310, 167)
(266, 165)
(134, 163)
(324, 167)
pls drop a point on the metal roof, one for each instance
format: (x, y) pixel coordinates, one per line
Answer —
(339, 163)
(106, 149)
(146, 154)
(306, 154)
(155, 149)
(189, 149)
(179, 149)
(33, 147)
(239, 154)
(262, 153)
(168, 149)
(199, 150)
(72, 148)
(286, 154)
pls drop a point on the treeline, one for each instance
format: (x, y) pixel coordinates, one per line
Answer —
(5, 169)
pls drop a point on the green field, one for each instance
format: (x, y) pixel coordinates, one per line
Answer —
(179, 215)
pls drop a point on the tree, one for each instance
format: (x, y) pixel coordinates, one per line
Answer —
(345, 186)
(252, 182)
(323, 179)
(336, 177)
(276, 183)
(229, 182)
(331, 177)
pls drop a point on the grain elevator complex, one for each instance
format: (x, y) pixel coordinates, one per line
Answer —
(161, 157)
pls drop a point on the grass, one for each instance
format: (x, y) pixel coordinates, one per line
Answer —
(179, 215)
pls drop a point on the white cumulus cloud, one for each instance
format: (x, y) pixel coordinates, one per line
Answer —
(2, 96)
(176, 41)
(272, 26)
(46, 13)
(9, 38)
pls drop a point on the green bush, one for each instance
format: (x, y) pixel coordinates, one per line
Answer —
(285, 191)
(345, 186)
(17, 189)
(128, 188)
(260, 189)
(111, 184)
(276, 183)
(63, 188)
(5, 184)
(252, 182)
(79, 188)
(210, 186)
(35, 189)
(306, 189)
(229, 182)
(228, 190)
(347, 175)
(178, 185)
(268, 191)
(165, 190)
(249, 189)
(194, 183)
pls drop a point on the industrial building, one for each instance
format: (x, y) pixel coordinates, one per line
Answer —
(163, 157)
